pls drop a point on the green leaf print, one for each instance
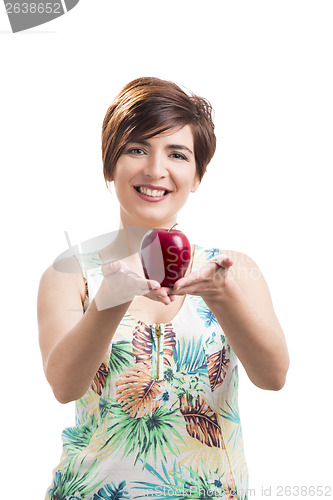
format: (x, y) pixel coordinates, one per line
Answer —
(109, 492)
(190, 357)
(183, 483)
(215, 342)
(233, 416)
(77, 438)
(68, 483)
(143, 436)
(233, 382)
(206, 314)
(121, 356)
(189, 385)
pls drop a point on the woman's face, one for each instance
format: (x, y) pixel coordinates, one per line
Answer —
(165, 160)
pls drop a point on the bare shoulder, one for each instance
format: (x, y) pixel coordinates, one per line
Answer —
(244, 267)
(63, 275)
(250, 279)
(59, 305)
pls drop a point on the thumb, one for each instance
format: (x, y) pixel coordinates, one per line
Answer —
(110, 267)
(153, 285)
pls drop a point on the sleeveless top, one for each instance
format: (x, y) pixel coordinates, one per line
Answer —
(161, 417)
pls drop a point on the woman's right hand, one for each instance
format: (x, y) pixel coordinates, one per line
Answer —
(120, 285)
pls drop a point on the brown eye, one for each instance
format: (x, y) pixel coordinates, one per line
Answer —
(136, 151)
(179, 156)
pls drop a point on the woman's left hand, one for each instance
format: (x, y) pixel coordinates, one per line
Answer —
(208, 281)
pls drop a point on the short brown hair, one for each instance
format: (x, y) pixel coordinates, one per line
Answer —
(149, 106)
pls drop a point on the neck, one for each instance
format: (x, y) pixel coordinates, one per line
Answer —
(131, 235)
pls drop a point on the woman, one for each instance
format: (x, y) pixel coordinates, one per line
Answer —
(153, 370)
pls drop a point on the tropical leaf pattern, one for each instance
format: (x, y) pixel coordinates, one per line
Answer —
(121, 357)
(202, 422)
(143, 343)
(161, 415)
(99, 380)
(136, 391)
(217, 365)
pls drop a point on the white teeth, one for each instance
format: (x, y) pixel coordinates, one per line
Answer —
(150, 192)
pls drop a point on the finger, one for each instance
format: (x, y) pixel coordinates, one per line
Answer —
(222, 260)
(193, 278)
(178, 284)
(163, 295)
(165, 299)
(184, 289)
(153, 285)
(181, 289)
(110, 267)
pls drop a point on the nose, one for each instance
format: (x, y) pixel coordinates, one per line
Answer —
(154, 166)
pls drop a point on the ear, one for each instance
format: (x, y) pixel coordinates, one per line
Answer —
(196, 183)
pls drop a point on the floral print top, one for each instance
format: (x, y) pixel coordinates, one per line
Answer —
(161, 417)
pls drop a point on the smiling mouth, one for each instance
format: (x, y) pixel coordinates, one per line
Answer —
(152, 193)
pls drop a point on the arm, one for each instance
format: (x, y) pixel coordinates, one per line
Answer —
(73, 344)
(245, 312)
(235, 291)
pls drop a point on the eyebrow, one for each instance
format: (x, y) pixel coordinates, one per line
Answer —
(169, 146)
(179, 146)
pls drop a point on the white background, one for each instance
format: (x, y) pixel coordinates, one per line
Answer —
(266, 67)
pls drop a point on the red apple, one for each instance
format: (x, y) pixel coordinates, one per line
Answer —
(165, 255)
